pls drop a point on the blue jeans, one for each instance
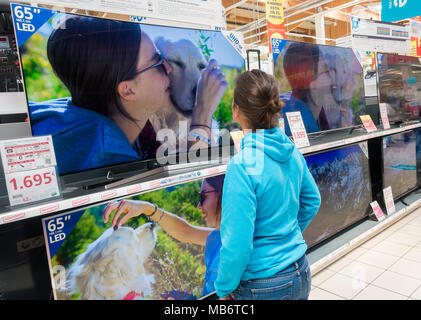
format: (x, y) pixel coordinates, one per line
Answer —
(292, 283)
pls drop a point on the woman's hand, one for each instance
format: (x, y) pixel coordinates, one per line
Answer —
(127, 208)
(210, 90)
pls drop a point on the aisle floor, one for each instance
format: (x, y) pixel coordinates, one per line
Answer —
(386, 267)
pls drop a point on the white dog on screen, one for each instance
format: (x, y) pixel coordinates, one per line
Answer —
(187, 62)
(112, 267)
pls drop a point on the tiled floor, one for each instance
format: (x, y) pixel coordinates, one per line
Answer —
(386, 267)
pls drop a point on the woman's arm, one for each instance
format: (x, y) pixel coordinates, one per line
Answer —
(175, 226)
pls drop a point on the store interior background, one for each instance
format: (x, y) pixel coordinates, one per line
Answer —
(373, 268)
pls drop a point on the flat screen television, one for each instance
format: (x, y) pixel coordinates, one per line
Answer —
(325, 83)
(101, 89)
(400, 86)
(343, 178)
(399, 163)
(97, 262)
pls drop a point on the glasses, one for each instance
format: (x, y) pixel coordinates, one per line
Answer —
(159, 64)
(202, 196)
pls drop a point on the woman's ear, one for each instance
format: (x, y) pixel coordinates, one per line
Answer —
(125, 91)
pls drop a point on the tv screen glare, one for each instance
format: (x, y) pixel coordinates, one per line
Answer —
(400, 86)
(324, 83)
(101, 89)
(135, 261)
(399, 163)
(343, 178)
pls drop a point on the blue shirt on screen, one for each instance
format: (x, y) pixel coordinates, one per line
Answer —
(83, 139)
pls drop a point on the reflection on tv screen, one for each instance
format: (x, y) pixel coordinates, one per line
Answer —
(324, 83)
(136, 261)
(400, 86)
(104, 89)
(343, 178)
(399, 163)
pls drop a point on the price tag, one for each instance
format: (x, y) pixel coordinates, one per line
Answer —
(388, 200)
(29, 169)
(377, 211)
(237, 136)
(383, 115)
(368, 123)
(298, 130)
(281, 124)
(34, 185)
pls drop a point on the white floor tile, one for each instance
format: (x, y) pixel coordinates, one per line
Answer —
(343, 286)
(320, 294)
(417, 294)
(339, 265)
(354, 254)
(405, 239)
(321, 276)
(413, 254)
(371, 243)
(375, 293)
(407, 268)
(392, 248)
(415, 222)
(361, 271)
(378, 259)
(410, 229)
(397, 283)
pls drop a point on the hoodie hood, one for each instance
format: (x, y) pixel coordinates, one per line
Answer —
(273, 142)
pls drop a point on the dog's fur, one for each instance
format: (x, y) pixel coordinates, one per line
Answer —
(187, 63)
(113, 265)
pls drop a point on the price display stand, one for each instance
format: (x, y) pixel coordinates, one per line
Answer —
(29, 168)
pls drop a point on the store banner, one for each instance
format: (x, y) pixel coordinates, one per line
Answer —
(415, 27)
(395, 10)
(275, 20)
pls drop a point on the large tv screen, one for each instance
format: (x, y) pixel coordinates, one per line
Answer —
(324, 83)
(343, 178)
(104, 89)
(399, 163)
(90, 260)
(400, 86)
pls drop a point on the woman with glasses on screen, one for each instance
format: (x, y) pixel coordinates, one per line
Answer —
(210, 198)
(117, 80)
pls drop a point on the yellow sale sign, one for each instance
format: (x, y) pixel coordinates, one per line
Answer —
(275, 20)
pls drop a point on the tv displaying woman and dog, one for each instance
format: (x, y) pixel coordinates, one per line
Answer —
(158, 245)
(106, 89)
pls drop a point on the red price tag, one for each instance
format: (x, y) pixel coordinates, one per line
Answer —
(30, 186)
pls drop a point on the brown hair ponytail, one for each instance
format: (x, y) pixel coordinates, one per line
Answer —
(257, 95)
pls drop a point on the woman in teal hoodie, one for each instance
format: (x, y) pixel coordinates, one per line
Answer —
(269, 198)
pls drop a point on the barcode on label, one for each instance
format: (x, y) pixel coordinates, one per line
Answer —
(17, 196)
(47, 161)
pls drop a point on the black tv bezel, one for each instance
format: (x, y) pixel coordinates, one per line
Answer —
(354, 222)
(362, 91)
(401, 195)
(378, 85)
(89, 176)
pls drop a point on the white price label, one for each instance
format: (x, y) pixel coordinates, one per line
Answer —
(384, 116)
(298, 129)
(377, 211)
(27, 154)
(34, 185)
(388, 200)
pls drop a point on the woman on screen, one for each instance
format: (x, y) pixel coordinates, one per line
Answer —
(117, 80)
(210, 202)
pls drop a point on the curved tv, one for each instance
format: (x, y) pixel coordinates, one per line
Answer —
(324, 83)
(104, 89)
(343, 178)
(400, 86)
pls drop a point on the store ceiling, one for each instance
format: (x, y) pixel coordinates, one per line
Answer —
(249, 18)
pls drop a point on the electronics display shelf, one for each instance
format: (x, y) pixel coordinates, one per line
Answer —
(78, 198)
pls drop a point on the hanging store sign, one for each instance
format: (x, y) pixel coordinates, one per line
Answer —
(395, 10)
(377, 36)
(275, 20)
